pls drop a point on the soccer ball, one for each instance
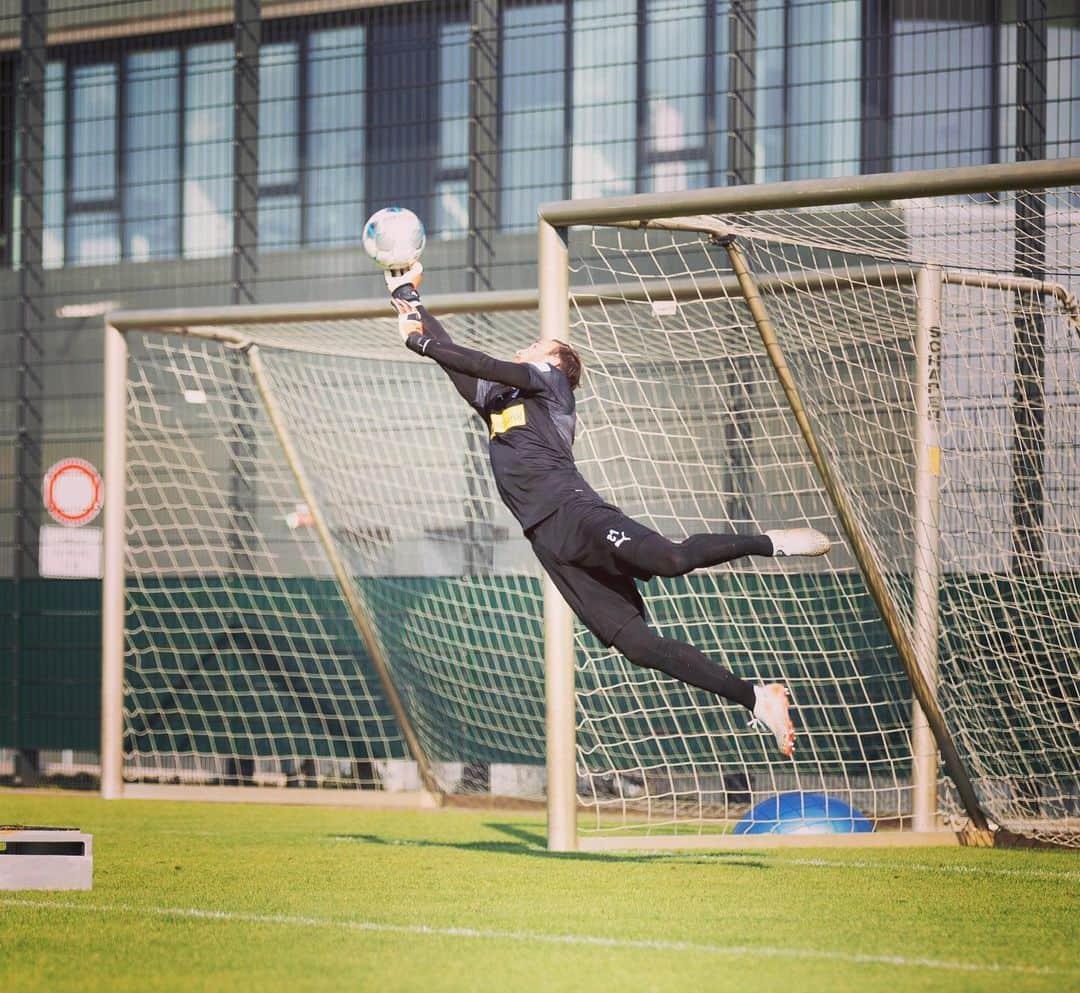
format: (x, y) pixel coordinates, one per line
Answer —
(394, 237)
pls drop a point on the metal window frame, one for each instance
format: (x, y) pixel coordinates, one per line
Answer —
(441, 174)
(704, 151)
(113, 204)
(298, 29)
(124, 140)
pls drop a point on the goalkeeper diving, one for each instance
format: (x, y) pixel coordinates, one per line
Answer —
(592, 551)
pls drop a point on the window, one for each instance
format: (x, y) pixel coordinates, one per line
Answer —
(676, 90)
(93, 229)
(532, 113)
(151, 194)
(943, 78)
(824, 89)
(451, 214)
(52, 248)
(604, 137)
(640, 77)
(808, 95)
(1062, 81)
(161, 117)
(334, 180)
(279, 146)
(208, 151)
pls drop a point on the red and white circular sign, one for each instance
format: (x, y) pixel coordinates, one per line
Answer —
(72, 492)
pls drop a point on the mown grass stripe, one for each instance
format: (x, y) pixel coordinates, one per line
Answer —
(759, 951)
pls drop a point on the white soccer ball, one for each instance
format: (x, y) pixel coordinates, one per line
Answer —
(394, 237)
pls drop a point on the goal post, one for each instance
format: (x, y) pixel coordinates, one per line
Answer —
(926, 566)
(554, 314)
(869, 357)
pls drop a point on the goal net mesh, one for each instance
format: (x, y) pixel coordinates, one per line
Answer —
(696, 434)
(243, 664)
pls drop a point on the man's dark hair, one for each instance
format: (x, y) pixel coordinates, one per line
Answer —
(570, 363)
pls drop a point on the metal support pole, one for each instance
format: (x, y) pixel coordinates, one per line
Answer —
(483, 193)
(29, 390)
(739, 390)
(1029, 334)
(554, 280)
(247, 21)
(483, 177)
(112, 589)
(247, 35)
(926, 565)
(742, 50)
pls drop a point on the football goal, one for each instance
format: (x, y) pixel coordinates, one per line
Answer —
(897, 365)
(313, 594)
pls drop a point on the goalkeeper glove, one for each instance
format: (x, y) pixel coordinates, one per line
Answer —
(405, 298)
(404, 284)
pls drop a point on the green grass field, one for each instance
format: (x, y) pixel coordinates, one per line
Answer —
(238, 898)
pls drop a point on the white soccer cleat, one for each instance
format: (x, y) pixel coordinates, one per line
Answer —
(798, 541)
(771, 712)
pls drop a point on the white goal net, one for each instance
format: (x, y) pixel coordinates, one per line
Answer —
(321, 588)
(975, 551)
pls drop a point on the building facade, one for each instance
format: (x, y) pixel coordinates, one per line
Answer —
(157, 154)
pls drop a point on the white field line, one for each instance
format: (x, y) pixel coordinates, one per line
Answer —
(537, 937)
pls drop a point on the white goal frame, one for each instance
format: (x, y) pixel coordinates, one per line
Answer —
(692, 210)
(686, 211)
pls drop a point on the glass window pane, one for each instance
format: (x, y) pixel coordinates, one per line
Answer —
(335, 173)
(452, 208)
(93, 238)
(151, 158)
(823, 89)
(279, 221)
(769, 107)
(208, 134)
(93, 133)
(675, 74)
(1063, 87)
(279, 114)
(670, 177)
(605, 97)
(942, 93)
(52, 248)
(454, 96)
(533, 122)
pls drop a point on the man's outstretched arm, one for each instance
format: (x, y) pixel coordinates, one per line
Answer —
(406, 299)
(424, 335)
(455, 359)
(468, 386)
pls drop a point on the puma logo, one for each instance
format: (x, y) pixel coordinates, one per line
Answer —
(617, 537)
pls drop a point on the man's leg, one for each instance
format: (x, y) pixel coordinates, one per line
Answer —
(644, 647)
(655, 555)
(769, 705)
